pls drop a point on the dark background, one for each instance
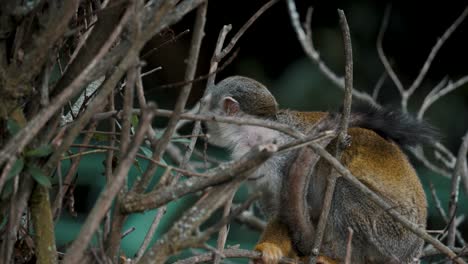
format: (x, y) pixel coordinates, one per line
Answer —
(270, 52)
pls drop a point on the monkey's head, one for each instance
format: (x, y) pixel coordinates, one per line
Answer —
(241, 97)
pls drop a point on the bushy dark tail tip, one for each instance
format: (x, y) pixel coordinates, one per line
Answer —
(391, 124)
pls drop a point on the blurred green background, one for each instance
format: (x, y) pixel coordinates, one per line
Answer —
(270, 53)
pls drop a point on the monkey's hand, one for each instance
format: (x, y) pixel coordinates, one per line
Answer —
(271, 253)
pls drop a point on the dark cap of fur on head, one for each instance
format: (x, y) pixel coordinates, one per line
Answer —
(400, 127)
(253, 97)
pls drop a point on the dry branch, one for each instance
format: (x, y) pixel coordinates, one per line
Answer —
(76, 250)
(159, 197)
(192, 60)
(342, 137)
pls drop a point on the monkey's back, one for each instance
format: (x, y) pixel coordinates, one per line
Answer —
(382, 166)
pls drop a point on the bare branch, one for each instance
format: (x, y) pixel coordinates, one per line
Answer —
(23, 137)
(249, 219)
(149, 235)
(222, 235)
(192, 60)
(214, 62)
(433, 97)
(378, 85)
(180, 235)
(456, 178)
(382, 55)
(76, 250)
(461, 167)
(159, 197)
(342, 137)
(159, 163)
(114, 237)
(244, 28)
(310, 51)
(6, 170)
(440, 42)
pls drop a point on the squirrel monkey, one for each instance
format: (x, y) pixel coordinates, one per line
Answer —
(374, 157)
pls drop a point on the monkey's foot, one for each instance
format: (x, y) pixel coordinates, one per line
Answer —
(271, 253)
(325, 260)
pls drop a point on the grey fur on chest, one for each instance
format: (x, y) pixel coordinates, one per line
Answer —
(268, 180)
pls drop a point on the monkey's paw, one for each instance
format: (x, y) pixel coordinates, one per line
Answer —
(271, 253)
(325, 260)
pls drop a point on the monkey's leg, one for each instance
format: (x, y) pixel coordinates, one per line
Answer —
(274, 243)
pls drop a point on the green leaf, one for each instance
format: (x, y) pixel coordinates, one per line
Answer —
(13, 127)
(41, 151)
(148, 153)
(101, 137)
(138, 166)
(39, 176)
(17, 168)
(7, 190)
(135, 120)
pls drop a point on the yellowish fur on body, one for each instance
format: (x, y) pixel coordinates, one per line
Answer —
(376, 162)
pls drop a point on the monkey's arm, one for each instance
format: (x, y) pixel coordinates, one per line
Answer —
(275, 242)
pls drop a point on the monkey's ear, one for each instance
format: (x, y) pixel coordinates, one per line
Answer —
(230, 106)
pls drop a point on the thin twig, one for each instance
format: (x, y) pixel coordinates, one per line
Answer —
(454, 193)
(221, 174)
(103, 203)
(461, 167)
(310, 51)
(149, 235)
(57, 205)
(169, 41)
(151, 71)
(226, 63)
(109, 162)
(118, 218)
(378, 85)
(223, 232)
(248, 218)
(342, 137)
(382, 55)
(180, 236)
(244, 28)
(433, 97)
(6, 170)
(192, 60)
(159, 163)
(128, 232)
(199, 29)
(22, 138)
(437, 203)
(440, 42)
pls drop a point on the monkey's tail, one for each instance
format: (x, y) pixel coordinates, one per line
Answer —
(294, 211)
(395, 125)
